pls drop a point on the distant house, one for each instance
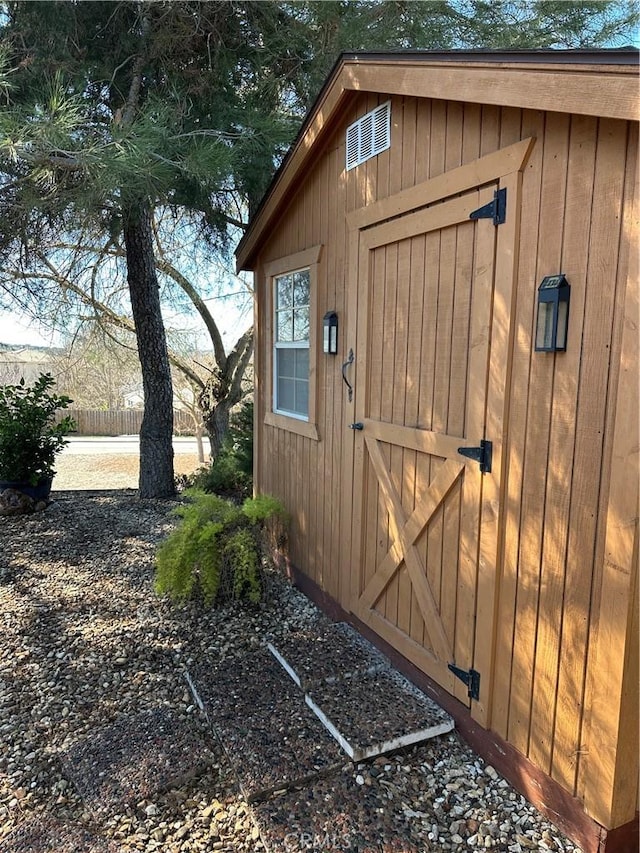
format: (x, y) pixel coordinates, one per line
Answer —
(18, 361)
(134, 400)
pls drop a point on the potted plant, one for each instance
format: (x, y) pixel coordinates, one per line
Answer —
(29, 436)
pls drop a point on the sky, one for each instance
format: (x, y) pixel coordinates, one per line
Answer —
(233, 320)
(16, 329)
(231, 306)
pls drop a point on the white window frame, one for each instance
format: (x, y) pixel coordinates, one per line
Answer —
(290, 345)
(307, 259)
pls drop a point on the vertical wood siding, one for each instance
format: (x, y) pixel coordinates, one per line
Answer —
(560, 417)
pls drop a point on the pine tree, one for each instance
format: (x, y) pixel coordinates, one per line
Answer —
(115, 108)
(112, 110)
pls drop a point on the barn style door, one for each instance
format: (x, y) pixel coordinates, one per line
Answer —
(426, 488)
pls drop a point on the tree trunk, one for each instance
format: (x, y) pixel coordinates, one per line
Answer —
(223, 390)
(156, 448)
(216, 422)
(200, 443)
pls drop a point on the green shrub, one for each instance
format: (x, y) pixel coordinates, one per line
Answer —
(261, 508)
(217, 550)
(223, 477)
(29, 437)
(231, 472)
(272, 520)
(241, 554)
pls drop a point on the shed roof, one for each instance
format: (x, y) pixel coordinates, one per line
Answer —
(587, 82)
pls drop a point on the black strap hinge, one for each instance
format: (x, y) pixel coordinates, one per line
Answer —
(470, 677)
(481, 454)
(496, 209)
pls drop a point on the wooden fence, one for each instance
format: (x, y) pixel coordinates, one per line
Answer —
(120, 421)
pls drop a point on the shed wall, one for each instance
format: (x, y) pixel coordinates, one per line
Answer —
(577, 189)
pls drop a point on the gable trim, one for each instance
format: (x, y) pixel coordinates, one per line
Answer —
(604, 92)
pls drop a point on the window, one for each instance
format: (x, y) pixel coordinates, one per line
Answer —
(290, 323)
(291, 344)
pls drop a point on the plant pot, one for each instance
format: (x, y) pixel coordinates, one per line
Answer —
(39, 492)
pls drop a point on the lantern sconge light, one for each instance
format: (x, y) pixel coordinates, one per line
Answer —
(553, 314)
(330, 337)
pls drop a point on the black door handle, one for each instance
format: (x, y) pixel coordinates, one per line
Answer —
(344, 374)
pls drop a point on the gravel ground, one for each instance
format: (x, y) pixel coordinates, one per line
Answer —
(86, 641)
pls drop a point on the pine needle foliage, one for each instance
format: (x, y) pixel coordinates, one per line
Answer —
(241, 555)
(217, 551)
(263, 508)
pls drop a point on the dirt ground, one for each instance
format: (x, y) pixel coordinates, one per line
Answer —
(102, 471)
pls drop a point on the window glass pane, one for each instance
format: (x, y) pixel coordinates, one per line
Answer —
(286, 363)
(292, 380)
(301, 324)
(286, 395)
(284, 292)
(284, 321)
(302, 397)
(301, 288)
(302, 364)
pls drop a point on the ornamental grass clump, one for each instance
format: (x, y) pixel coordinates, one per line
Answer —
(217, 551)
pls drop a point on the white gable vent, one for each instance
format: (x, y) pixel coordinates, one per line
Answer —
(368, 136)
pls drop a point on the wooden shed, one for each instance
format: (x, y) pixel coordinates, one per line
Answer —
(462, 472)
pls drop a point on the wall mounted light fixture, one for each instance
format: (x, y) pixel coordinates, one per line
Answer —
(330, 338)
(553, 314)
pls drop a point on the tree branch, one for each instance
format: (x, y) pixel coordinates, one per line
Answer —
(66, 161)
(133, 98)
(200, 306)
(235, 222)
(237, 363)
(111, 316)
(241, 369)
(164, 266)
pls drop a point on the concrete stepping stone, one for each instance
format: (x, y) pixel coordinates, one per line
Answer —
(241, 686)
(135, 758)
(48, 835)
(335, 814)
(273, 752)
(271, 737)
(361, 700)
(336, 652)
(377, 712)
